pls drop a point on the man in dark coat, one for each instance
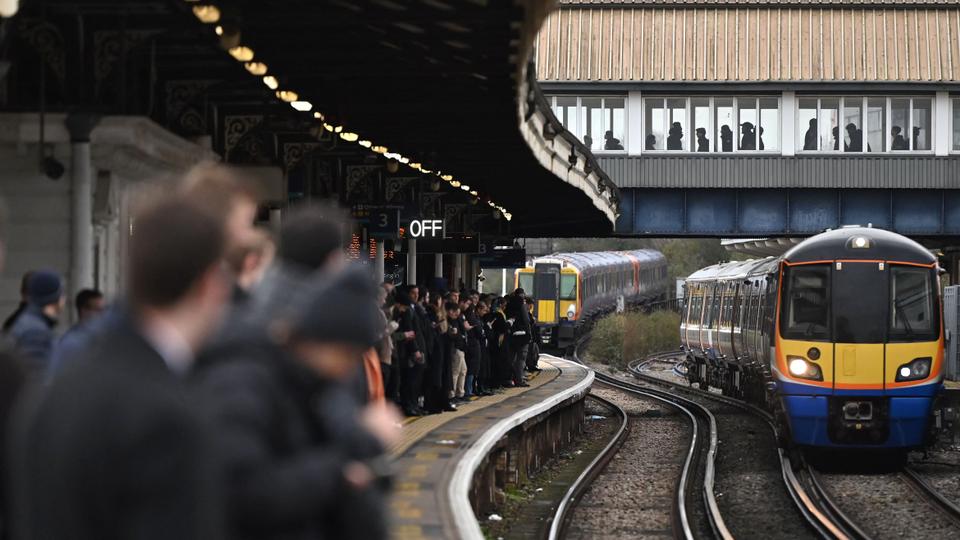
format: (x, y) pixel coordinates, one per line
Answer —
(520, 332)
(32, 332)
(284, 420)
(410, 352)
(115, 447)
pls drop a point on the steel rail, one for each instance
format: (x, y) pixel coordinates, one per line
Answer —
(701, 444)
(704, 444)
(813, 502)
(936, 499)
(564, 511)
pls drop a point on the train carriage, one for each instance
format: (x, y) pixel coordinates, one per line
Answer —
(842, 336)
(571, 288)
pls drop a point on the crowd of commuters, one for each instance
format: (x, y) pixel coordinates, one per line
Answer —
(241, 386)
(448, 347)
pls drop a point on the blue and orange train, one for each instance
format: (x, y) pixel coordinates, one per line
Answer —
(842, 337)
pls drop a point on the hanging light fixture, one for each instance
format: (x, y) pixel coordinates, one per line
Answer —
(455, 183)
(302, 106)
(208, 14)
(508, 216)
(256, 68)
(349, 136)
(241, 53)
(447, 177)
(474, 193)
(425, 171)
(271, 82)
(365, 143)
(403, 159)
(328, 127)
(218, 30)
(318, 115)
(465, 187)
(287, 95)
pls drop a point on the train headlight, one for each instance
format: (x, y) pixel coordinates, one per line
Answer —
(915, 370)
(801, 368)
(571, 311)
(859, 242)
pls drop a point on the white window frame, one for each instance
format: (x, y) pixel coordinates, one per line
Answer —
(888, 114)
(954, 106)
(579, 113)
(690, 144)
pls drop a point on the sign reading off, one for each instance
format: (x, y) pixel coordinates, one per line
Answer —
(426, 228)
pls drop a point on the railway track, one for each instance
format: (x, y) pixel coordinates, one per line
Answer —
(696, 480)
(805, 484)
(561, 517)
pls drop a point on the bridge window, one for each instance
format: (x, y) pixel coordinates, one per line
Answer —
(705, 124)
(857, 124)
(599, 122)
(956, 125)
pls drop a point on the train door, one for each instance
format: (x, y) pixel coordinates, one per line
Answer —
(722, 320)
(735, 326)
(546, 289)
(857, 336)
(704, 317)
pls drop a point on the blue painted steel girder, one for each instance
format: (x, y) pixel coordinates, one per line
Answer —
(784, 212)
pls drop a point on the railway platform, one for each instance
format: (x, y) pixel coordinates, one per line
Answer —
(449, 466)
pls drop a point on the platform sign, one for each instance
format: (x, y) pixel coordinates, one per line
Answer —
(502, 257)
(452, 244)
(383, 222)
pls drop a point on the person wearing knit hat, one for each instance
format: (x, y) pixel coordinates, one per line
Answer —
(290, 425)
(32, 332)
(340, 321)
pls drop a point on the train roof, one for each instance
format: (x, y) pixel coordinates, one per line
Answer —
(842, 243)
(734, 270)
(594, 259)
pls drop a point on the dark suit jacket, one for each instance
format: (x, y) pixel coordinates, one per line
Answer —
(113, 448)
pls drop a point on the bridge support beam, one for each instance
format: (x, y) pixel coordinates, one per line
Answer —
(786, 212)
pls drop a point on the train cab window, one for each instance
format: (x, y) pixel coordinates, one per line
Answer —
(568, 287)
(806, 305)
(525, 282)
(913, 316)
(860, 296)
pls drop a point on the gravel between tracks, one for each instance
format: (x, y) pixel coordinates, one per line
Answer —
(886, 507)
(632, 497)
(941, 469)
(749, 484)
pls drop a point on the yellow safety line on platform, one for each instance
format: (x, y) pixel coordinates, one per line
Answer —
(416, 428)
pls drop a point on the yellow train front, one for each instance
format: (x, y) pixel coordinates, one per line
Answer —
(572, 288)
(859, 343)
(841, 336)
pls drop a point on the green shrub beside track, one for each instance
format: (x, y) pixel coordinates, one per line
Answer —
(619, 338)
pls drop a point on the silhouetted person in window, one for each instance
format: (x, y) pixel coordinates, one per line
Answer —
(916, 137)
(726, 138)
(675, 137)
(612, 143)
(588, 140)
(856, 138)
(703, 143)
(748, 139)
(810, 137)
(760, 137)
(651, 142)
(899, 142)
(836, 138)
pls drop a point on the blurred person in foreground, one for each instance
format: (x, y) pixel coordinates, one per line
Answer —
(24, 283)
(12, 379)
(89, 304)
(115, 446)
(280, 419)
(32, 333)
(230, 197)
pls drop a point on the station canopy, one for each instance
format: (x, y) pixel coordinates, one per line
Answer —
(443, 84)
